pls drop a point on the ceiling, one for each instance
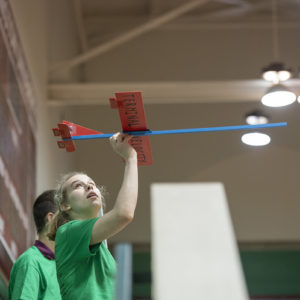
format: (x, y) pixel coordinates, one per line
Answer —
(174, 51)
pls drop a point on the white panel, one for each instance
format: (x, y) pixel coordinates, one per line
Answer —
(194, 251)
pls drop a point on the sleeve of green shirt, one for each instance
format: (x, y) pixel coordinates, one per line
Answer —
(78, 237)
(24, 283)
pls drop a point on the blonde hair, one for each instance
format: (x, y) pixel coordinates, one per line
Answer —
(62, 217)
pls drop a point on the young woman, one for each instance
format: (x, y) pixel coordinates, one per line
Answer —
(85, 268)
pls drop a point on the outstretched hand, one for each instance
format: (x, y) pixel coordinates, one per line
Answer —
(120, 145)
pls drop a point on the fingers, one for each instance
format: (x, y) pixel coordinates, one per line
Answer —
(120, 145)
(120, 137)
(128, 137)
(114, 138)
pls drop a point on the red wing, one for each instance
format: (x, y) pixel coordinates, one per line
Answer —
(141, 144)
(131, 110)
(132, 116)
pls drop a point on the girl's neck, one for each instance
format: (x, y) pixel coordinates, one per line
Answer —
(44, 239)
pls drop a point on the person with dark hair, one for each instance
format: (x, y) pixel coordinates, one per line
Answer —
(33, 275)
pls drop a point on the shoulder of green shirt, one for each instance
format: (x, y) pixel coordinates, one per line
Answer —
(65, 227)
(32, 253)
(30, 257)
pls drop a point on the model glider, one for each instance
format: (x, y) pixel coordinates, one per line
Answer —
(133, 120)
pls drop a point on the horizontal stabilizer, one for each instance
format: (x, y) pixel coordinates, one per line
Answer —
(76, 130)
(68, 145)
(67, 130)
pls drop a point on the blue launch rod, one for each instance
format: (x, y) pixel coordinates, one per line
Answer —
(180, 131)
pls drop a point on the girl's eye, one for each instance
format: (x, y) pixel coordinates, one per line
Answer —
(78, 185)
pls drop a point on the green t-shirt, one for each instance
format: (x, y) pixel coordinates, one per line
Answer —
(83, 272)
(33, 276)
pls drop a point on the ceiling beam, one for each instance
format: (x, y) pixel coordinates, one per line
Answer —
(194, 24)
(229, 26)
(236, 11)
(131, 34)
(233, 2)
(164, 92)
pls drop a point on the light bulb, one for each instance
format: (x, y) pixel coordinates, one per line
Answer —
(278, 95)
(256, 139)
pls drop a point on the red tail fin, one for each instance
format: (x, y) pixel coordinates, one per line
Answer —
(66, 130)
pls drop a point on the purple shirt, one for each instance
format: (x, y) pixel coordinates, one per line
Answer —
(44, 249)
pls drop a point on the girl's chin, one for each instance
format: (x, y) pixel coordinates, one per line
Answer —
(96, 206)
(97, 202)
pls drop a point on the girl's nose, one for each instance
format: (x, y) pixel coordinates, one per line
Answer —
(89, 186)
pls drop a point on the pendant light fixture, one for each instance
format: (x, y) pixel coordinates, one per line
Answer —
(277, 95)
(256, 117)
(276, 72)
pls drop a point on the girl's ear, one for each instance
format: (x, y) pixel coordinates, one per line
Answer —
(49, 216)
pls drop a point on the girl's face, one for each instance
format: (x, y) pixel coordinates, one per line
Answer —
(84, 197)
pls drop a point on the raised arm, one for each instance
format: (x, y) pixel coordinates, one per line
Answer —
(123, 210)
